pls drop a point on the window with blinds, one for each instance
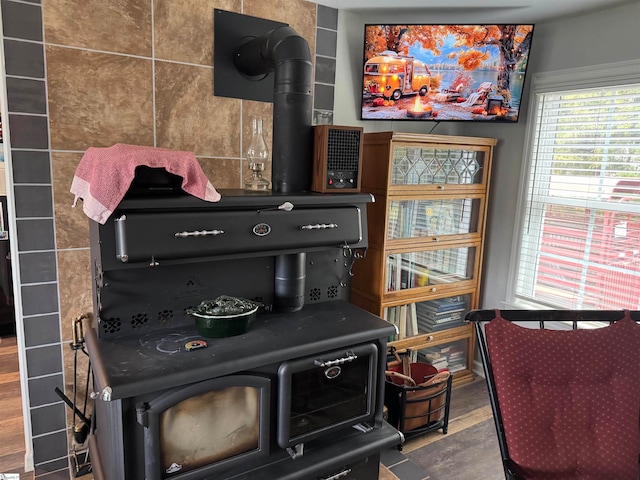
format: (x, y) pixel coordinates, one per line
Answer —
(580, 239)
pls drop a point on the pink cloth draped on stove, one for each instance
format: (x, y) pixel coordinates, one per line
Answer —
(104, 175)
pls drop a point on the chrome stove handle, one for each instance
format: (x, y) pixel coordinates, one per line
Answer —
(199, 233)
(343, 473)
(319, 226)
(338, 361)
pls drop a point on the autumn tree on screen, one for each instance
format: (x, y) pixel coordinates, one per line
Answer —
(512, 41)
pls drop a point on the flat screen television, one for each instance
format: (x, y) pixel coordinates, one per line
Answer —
(444, 72)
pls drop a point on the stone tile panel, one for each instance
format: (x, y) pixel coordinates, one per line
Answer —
(189, 117)
(98, 99)
(183, 31)
(122, 26)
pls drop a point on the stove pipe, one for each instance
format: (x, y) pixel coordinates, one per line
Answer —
(289, 282)
(285, 53)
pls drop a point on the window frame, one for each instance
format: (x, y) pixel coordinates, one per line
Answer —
(606, 75)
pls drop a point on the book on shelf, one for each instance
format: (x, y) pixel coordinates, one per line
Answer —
(432, 355)
(413, 274)
(430, 328)
(404, 318)
(420, 275)
(441, 365)
(397, 271)
(451, 357)
(413, 319)
(393, 273)
(457, 367)
(443, 321)
(437, 322)
(390, 274)
(442, 305)
(439, 318)
(402, 321)
(404, 275)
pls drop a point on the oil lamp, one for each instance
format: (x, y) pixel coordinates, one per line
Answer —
(257, 154)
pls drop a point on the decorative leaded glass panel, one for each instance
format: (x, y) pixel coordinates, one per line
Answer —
(423, 166)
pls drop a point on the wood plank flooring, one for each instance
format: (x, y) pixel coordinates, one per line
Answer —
(469, 449)
(11, 424)
(386, 474)
(456, 425)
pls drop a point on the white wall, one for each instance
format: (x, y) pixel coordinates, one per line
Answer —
(606, 36)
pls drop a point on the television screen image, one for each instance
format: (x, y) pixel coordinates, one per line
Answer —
(444, 72)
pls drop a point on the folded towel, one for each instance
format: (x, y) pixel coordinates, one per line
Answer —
(474, 98)
(104, 175)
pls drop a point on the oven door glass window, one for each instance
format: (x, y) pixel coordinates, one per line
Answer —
(206, 426)
(210, 427)
(325, 393)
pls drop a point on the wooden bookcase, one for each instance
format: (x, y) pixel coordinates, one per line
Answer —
(422, 269)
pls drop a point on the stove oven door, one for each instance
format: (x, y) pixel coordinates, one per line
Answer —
(321, 394)
(198, 431)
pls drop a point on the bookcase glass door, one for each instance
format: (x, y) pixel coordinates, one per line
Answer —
(433, 217)
(452, 356)
(415, 165)
(429, 267)
(426, 233)
(428, 316)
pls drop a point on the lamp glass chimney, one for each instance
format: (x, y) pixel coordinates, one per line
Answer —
(257, 154)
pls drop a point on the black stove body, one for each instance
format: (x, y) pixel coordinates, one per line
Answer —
(298, 396)
(260, 251)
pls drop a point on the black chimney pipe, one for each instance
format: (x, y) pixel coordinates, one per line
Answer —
(285, 53)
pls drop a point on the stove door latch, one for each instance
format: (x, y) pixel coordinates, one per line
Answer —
(363, 427)
(296, 451)
(142, 414)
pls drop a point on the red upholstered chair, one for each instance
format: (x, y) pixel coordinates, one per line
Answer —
(566, 402)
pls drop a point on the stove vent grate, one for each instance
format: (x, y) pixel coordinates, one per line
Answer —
(111, 325)
(139, 320)
(165, 317)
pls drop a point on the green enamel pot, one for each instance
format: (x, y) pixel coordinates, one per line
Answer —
(212, 324)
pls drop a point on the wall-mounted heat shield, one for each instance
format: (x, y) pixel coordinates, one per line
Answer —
(248, 55)
(230, 31)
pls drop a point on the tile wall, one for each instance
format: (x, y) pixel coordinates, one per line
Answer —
(124, 71)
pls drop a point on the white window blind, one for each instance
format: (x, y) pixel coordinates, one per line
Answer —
(579, 247)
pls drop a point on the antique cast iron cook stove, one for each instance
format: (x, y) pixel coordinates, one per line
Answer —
(300, 394)
(138, 344)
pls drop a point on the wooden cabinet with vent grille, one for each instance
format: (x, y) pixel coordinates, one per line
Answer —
(422, 269)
